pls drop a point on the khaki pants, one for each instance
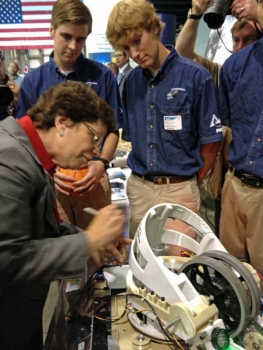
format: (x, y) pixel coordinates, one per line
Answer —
(241, 224)
(143, 195)
(71, 208)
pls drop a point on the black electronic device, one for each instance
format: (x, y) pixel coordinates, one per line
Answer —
(6, 94)
(216, 13)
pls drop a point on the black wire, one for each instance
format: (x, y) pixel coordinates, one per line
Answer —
(223, 41)
(111, 320)
(157, 317)
(258, 31)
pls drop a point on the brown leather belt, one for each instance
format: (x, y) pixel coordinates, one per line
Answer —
(162, 179)
(247, 179)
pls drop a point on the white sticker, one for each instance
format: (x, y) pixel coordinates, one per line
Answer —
(81, 346)
(172, 122)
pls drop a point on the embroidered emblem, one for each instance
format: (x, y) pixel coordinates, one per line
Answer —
(174, 92)
(90, 83)
(215, 121)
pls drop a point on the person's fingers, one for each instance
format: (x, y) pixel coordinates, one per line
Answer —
(123, 251)
(124, 241)
(88, 188)
(61, 176)
(118, 256)
(60, 189)
(105, 227)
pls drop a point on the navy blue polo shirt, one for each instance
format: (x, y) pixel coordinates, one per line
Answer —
(98, 76)
(168, 117)
(241, 107)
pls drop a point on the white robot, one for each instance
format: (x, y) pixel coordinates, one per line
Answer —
(210, 300)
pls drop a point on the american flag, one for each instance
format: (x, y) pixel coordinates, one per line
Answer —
(24, 24)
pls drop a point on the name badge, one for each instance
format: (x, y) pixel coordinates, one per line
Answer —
(172, 122)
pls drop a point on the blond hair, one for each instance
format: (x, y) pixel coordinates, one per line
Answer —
(238, 25)
(129, 17)
(70, 11)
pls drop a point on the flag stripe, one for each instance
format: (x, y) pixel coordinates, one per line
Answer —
(37, 3)
(28, 38)
(39, 21)
(25, 24)
(36, 12)
(31, 17)
(18, 30)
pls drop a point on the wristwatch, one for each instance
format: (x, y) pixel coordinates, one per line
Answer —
(105, 162)
(192, 16)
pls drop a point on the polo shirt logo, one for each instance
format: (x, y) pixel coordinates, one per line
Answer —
(215, 121)
(174, 92)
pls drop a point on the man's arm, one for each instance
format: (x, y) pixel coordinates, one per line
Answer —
(96, 168)
(186, 40)
(208, 153)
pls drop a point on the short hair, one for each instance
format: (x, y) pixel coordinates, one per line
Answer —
(124, 54)
(74, 100)
(238, 25)
(70, 11)
(129, 17)
(113, 67)
(15, 63)
(118, 49)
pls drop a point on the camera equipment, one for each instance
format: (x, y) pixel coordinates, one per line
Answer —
(216, 13)
(6, 96)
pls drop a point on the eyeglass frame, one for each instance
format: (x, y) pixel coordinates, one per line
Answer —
(117, 56)
(95, 135)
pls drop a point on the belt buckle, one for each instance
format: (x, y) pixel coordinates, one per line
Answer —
(245, 180)
(157, 180)
(248, 180)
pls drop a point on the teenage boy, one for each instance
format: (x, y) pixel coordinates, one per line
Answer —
(241, 223)
(71, 23)
(170, 115)
(244, 32)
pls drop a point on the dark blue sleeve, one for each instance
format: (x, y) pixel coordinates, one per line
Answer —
(206, 111)
(125, 121)
(113, 97)
(224, 111)
(25, 100)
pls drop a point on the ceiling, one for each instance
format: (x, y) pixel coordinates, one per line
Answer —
(175, 7)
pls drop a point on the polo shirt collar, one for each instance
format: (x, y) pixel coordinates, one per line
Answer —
(165, 68)
(54, 67)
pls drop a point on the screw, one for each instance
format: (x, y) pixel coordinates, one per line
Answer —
(256, 346)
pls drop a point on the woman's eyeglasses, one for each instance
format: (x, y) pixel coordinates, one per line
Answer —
(95, 135)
